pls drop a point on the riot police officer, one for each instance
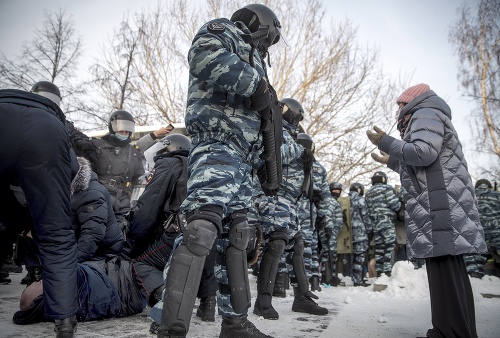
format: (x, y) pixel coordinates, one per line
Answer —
(383, 204)
(228, 93)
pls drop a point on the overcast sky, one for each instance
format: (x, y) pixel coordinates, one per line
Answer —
(412, 37)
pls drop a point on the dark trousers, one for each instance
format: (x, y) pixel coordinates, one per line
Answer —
(452, 301)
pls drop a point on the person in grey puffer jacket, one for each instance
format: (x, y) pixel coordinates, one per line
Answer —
(441, 210)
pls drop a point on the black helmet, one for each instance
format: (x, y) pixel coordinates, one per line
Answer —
(176, 142)
(358, 187)
(335, 186)
(483, 181)
(257, 16)
(167, 144)
(48, 90)
(306, 141)
(293, 112)
(379, 177)
(121, 120)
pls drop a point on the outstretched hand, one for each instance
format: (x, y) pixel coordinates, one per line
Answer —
(375, 137)
(384, 159)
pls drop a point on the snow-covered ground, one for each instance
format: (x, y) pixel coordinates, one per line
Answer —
(401, 310)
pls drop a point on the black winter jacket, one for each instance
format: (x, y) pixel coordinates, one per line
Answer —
(155, 204)
(92, 217)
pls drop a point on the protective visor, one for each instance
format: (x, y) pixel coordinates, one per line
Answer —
(123, 125)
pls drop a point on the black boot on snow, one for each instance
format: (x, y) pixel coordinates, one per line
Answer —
(65, 328)
(176, 331)
(314, 281)
(280, 285)
(239, 327)
(264, 308)
(302, 303)
(206, 310)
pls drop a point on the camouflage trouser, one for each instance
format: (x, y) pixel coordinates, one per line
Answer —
(273, 215)
(219, 174)
(310, 237)
(358, 260)
(474, 262)
(492, 233)
(278, 213)
(384, 234)
(328, 247)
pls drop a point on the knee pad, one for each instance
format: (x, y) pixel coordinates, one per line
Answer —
(199, 236)
(239, 235)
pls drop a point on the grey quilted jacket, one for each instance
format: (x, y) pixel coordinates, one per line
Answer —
(441, 209)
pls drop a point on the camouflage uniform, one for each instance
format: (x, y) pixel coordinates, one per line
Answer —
(361, 226)
(280, 212)
(225, 144)
(309, 236)
(383, 205)
(329, 220)
(488, 202)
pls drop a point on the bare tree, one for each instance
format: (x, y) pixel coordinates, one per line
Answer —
(52, 55)
(477, 45)
(112, 75)
(340, 84)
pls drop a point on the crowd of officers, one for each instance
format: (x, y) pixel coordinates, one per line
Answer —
(211, 208)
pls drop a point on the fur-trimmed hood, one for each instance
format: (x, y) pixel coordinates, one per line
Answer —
(83, 176)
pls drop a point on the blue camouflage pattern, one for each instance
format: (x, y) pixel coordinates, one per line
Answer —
(218, 84)
(309, 235)
(329, 215)
(383, 204)
(361, 226)
(225, 134)
(488, 203)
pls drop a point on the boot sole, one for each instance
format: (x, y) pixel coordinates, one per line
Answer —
(258, 313)
(311, 313)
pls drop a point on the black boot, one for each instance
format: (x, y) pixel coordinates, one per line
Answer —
(26, 279)
(4, 278)
(155, 296)
(34, 275)
(280, 285)
(302, 303)
(264, 308)
(239, 327)
(65, 328)
(206, 310)
(314, 281)
(175, 331)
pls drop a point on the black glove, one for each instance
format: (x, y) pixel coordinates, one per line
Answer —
(261, 174)
(261, 98)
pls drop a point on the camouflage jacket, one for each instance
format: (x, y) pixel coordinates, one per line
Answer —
(382, 201)
(220, 79)
(488, 203)
(293, 166)
(328, 210)
(361, 223)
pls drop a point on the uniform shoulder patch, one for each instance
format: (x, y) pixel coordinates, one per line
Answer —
(216, 28)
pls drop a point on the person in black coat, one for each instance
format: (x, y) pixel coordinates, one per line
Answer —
(35, 154)
(92, 215)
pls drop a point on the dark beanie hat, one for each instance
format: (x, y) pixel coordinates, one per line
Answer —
(412, 92)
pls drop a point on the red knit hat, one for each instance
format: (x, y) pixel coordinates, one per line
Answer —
(412, 93)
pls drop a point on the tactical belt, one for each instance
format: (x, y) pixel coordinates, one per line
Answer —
(241, 146)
